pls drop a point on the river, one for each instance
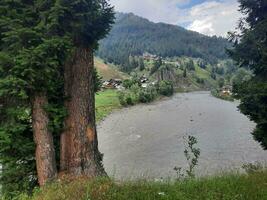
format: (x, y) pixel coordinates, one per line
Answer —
(147, 141)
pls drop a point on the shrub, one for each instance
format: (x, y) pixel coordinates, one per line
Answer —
(135, 93)
(165, 88)
(130, 96)
(200, 80)
(148, 94)
(128, 83)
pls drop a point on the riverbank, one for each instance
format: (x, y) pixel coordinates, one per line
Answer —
(106, 101)
(225, 187)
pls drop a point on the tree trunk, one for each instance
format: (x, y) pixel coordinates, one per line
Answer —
(45, 152)
(79, 146)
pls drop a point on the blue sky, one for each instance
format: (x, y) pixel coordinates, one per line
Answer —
(189, 4)
(210, 17)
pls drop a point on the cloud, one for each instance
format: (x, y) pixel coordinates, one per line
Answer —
(214, 17)
(155, 10)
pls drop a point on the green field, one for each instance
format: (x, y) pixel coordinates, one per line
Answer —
(225, 187)
(106, 102)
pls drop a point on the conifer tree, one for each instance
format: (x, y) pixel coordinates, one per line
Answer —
(86, 22)
(250, 51)
(31, 69)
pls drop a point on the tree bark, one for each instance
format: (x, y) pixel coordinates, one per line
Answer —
(79, 146)
(45, 152)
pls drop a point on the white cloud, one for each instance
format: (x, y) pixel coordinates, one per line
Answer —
(154, 10)
(211, 17)
(214, 18)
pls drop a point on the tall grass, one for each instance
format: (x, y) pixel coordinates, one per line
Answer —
(225, 187)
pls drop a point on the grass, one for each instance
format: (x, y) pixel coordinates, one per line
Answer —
(108, 71)
(202, 73)
(106, 102)
(225, 187)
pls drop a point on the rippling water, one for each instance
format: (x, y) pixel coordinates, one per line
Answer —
(147, 140)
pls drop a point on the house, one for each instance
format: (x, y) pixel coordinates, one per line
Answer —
(148, 56)
(112, 84)
(143, 79)
(226, 90)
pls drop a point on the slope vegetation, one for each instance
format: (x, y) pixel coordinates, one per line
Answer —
(133, 35)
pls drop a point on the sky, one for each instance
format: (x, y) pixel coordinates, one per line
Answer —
(210, 17)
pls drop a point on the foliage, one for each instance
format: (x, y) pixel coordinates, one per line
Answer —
(213, 75)
(97, 81)
(31, 62)
(156, 65)
(192, 155)
(147, 94)
(190, 65)
(141, 64)
(133, 35)
(165, 88)
(202, 64)
(200, 80)
(252, 168)
(222, 187)
(241, 76)
(128, 83)
(221, 82)
(35, 41)
(135, 93)
(250, 50)
(185, 73)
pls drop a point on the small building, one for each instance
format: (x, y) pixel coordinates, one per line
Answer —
(112, 84)
(147, 56)
(143, 79)
(227, 90)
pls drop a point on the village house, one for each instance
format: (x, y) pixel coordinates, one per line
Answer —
(112, 84)
(226, 90)
(148, 56)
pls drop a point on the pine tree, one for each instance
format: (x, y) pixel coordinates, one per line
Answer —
(36, 39)
(86, 22)
(141, 64)
(32, 66)
(250, 50)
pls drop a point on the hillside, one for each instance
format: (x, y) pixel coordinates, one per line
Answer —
(108, 71)
(133, 35)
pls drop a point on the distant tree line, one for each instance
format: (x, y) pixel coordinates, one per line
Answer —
(133, 35)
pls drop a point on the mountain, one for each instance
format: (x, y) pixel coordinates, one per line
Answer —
(134, 35)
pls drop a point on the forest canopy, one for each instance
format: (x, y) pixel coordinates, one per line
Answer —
(133, 35)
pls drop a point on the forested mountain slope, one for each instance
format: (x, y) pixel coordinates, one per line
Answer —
(133, 35)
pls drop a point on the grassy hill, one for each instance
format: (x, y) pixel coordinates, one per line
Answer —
(108, 71)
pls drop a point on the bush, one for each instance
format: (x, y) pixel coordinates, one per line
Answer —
(130, 96)
(128, 83)
(136, 94)
(165, 88)
(200, 80)
(148, 94)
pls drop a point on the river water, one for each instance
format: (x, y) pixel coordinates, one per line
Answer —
(148, 140)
